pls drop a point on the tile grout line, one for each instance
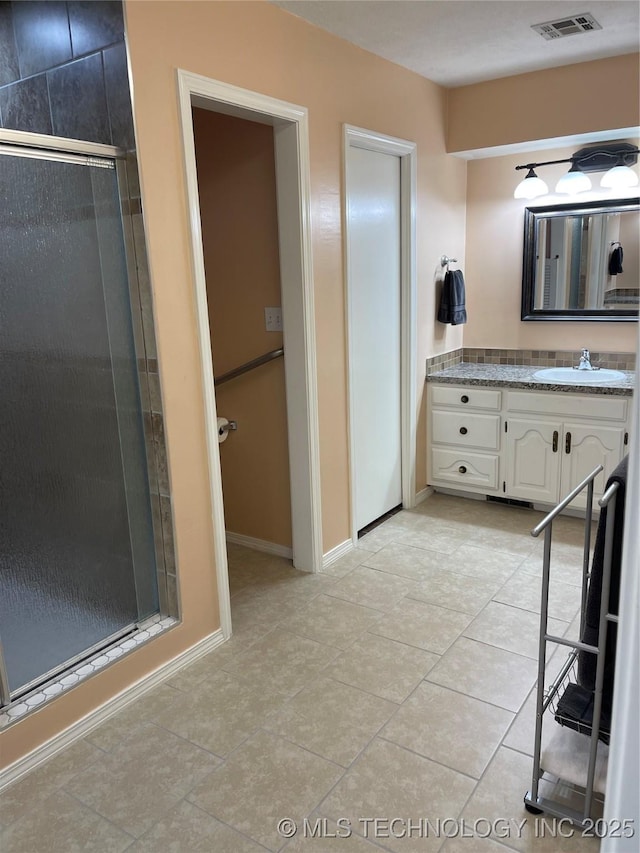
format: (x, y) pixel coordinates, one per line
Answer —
(408, 749)
(325, 671)
(84, 805)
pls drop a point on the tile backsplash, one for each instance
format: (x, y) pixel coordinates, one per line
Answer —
(447, 359)
(543, 358)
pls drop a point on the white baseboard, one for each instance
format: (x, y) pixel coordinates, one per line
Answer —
(423, 494)
(337, 552)
(82, 727)
(260, 545)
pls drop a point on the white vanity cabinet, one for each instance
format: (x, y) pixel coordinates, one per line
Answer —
(554, 440)
(528, 445)
(466, 432)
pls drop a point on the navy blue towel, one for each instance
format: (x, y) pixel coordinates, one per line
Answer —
(586, 661)
(615, 261)
(452, 299)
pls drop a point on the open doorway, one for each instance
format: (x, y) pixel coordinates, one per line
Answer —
(287, 126)
(238, 209)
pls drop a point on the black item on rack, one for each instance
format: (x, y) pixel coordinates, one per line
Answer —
(586, 661)
(575, 710)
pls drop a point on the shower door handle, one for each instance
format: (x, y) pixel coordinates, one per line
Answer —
(5, 693)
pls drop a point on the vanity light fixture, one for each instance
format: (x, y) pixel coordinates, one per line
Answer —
(615, 158)
(619, 178)
(531, 186)
(573, 182)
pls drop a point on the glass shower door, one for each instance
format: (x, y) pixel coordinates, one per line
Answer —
(77, 564)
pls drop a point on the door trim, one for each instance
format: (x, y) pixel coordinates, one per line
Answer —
(357, 137)
(291, 140)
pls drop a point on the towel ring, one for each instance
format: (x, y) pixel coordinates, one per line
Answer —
(445, 261)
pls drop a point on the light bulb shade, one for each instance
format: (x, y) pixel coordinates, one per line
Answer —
(619, 178)
(573, 182)
(531, 186)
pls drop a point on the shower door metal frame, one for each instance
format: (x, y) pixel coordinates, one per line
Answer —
(60, 149)
(5, 693)
(60, 143)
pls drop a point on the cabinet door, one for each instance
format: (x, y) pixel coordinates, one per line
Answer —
(533, 460)
(584, 447)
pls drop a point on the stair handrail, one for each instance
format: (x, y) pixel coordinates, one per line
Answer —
(249, 365)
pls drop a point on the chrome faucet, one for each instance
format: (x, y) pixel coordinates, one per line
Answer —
(585, 361)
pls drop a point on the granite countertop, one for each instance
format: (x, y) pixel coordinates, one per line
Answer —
(521, 376)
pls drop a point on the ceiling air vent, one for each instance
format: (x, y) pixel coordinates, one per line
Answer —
(567, 26)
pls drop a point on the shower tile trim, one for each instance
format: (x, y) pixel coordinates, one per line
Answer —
(146, 631)
(141, 298)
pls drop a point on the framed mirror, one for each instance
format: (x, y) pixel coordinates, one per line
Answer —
(582, 261)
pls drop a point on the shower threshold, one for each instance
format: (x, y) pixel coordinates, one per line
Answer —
(35, 695)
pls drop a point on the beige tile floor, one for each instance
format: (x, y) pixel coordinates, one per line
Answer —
(395, 685)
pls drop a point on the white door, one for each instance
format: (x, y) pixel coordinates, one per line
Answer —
(374, 274)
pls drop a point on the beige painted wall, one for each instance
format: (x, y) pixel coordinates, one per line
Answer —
(495, 232)
(237, 188)
(583, 98)
(261, 48)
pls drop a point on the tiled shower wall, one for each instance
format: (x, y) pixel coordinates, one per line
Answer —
(63, 72)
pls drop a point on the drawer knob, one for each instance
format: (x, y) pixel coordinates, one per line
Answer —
(463, 469)
(464, 399)
(463, 430)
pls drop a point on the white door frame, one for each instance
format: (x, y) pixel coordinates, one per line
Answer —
(291, 140)
(356, 137)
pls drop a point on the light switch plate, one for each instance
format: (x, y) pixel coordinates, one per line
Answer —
(273, 319)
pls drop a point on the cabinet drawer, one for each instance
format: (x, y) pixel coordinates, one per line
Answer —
(465, 397)
(464, 469)
(599, 406)
(466, 429)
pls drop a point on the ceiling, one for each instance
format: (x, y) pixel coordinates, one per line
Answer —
(457, 42)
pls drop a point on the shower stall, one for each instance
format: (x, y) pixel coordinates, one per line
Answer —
(77, 555)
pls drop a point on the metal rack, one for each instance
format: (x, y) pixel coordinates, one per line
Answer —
(595, 733)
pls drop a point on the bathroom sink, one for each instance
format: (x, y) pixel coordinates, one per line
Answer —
(569, 375)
